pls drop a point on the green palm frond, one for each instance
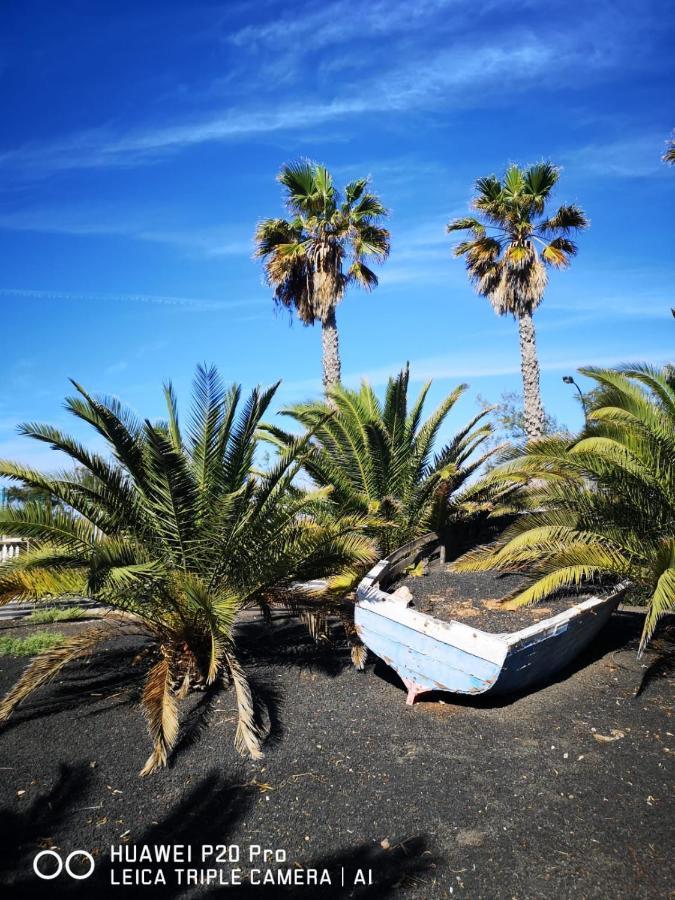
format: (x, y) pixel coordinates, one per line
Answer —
(601, 507)
(178, 533)
(376, 457)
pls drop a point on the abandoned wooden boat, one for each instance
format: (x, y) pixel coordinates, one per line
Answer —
(429, 654)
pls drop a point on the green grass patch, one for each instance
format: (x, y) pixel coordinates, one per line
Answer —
(46, 616)
(31, 645)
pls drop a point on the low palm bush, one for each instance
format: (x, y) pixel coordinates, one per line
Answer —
(378, 457)
(177, 532)
(601, 508)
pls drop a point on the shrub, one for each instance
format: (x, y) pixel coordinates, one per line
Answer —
(30, 645)
(45, 616)
(177, 530)
(378, 460)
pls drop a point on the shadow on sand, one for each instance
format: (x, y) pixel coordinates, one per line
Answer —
(111, 679)
(208, 814)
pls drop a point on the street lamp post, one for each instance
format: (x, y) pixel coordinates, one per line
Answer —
(569, 380)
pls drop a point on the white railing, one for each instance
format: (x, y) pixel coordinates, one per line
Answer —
(11, 547)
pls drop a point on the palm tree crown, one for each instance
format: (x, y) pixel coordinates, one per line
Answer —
(379, 459)
(311, 258)
(511, 245)
(177, 531)
(669, 155)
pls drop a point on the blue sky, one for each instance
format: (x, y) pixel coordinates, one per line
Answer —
(140, 146)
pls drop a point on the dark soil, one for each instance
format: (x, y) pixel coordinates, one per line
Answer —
(562, 793)
(474, 598)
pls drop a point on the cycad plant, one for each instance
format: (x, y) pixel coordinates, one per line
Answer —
(311, 258)
(600, 509)
(510, 247)
(177, 532)
(378, 457)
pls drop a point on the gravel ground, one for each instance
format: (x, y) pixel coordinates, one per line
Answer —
(473, 597)
(561, 793)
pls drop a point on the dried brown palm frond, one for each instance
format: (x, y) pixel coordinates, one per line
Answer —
(359, 655)
(316, 624)
(50, 662)
(249, 736)
(159, 706)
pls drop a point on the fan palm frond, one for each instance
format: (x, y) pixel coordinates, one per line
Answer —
(310, 259)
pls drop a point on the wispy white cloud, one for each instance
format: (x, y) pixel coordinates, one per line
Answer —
(104, 148)
(632, 157)
(189, 303)
(470, 366)
(636, 305)
(115, 368)
(463, 72)
(209, 241)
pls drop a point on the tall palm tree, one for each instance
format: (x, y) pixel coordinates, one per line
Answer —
(310, 259)
(511, 244)
(176, 532)
(378, 459)
(602, 507)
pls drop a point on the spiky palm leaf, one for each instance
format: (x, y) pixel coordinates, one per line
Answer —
(377, 458)
(601, 507)
(178, 531)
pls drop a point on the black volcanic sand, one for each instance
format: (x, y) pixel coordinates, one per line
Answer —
(561, 793)
(473, 598)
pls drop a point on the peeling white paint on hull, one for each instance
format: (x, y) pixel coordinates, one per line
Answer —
(432, 655)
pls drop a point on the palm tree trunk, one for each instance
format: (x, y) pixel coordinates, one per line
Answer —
(529, 366)
(331, 350)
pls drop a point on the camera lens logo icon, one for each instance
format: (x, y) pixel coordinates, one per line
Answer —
(39, 867)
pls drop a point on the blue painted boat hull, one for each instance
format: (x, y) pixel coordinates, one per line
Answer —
(432, 655)
(541, 657)
(423, 660)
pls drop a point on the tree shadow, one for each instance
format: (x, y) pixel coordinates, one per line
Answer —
(111, 675)
(267, 698)
(24, 832)
(663, 662)
(209, 814)
(622, 632)
(287, 643)
(408, 863)
(110, 679)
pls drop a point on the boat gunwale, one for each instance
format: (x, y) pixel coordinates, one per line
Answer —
(370, 596)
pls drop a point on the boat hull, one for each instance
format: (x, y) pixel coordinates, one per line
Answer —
(432, 655)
